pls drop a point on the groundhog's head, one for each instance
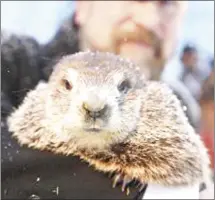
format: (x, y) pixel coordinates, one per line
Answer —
(94, 98)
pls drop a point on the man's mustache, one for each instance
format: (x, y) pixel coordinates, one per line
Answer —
(140, 35)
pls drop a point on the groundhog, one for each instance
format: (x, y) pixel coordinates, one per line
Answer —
(99, 107)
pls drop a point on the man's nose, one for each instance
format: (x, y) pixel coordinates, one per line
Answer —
(146, 14)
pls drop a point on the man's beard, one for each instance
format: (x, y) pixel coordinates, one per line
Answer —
(150, 65)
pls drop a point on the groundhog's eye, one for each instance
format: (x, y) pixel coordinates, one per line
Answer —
(66, 84)
(124, 86)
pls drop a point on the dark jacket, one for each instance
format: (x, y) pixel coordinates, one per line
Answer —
(28, 173)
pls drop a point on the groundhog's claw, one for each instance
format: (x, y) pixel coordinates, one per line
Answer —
(116, 179)
(124, 180)
(125, 184)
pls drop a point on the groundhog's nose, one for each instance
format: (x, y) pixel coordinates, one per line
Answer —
(95, 111)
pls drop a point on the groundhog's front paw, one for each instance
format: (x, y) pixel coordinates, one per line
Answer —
(126, 182)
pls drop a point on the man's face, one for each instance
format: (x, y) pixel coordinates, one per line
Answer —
(144, 31)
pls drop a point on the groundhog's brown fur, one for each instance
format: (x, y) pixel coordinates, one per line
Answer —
(156, 144)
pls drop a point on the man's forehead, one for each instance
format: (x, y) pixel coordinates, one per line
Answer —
(80, 4)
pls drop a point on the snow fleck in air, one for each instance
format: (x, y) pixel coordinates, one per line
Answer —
(35, 197)
(184, 108)
(10, 158)
(56, 190)
(5, 191)
(2, 124)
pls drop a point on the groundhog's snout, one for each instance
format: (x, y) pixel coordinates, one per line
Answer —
(95, 107)
(95, 111)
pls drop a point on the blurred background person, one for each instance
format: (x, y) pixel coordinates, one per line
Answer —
(207, 122)
(193, 72)
(207, 112)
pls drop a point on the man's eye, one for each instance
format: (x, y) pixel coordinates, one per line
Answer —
(169, 8)
(164, 2)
